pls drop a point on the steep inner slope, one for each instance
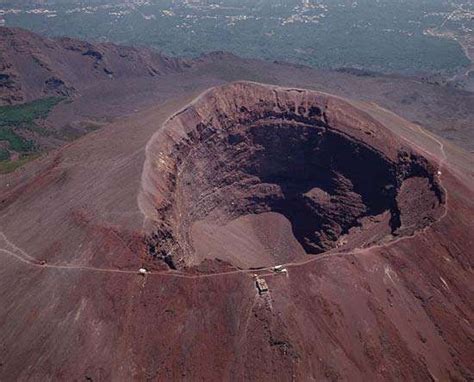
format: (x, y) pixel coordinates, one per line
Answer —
(339, 178)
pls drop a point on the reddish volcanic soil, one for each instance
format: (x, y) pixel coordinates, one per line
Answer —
(371, 215)
(334, 175)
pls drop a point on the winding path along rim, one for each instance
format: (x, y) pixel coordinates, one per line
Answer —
(29, 260)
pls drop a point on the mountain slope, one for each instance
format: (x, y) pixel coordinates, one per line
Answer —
(394, 310)
(390, 299)
(34, 67)
(141, 78)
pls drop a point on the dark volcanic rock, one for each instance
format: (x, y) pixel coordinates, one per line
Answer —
(247, 149)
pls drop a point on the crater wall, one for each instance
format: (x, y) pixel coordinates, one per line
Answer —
(259, 175)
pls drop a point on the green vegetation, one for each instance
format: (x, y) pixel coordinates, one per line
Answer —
(4, 154)
(27, 113)
(7, 166)
(16, 142)
(14, 121)
(379, 35)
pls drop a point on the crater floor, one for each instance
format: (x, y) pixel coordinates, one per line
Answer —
(258, 175)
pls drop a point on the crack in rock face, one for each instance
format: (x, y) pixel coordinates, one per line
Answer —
(258, 175)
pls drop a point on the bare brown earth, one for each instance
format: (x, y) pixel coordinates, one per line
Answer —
(393, 302)
(399, 309)
(33, 66)
(106, 82)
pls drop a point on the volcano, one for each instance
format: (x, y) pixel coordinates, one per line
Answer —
(257, 232)
(298, 172)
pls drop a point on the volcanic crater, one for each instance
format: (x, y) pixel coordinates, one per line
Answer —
(258, 175)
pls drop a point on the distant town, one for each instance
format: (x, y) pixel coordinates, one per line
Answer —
(388, 35)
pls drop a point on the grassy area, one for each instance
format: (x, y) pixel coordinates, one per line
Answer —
(7, 166)
(17, 118)
(4, 154)
(27, 113)
(16, 142)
